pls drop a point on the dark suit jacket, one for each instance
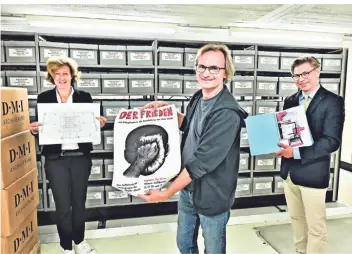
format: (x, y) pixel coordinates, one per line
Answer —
(326, 116)
(78, 96)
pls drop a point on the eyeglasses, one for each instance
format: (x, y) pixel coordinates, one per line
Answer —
(303, 74)
(212, 69)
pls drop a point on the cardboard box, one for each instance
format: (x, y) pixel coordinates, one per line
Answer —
(17, 201)
(18, 157)
(36, 249)
(25, 237)
(14, 111)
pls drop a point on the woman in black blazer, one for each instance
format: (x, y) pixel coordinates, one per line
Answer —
(67, 166)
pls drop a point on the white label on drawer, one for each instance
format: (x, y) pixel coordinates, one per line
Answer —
(280, 185)
(331, 86)
(244, 135)
(21, 52)
(83, 54)
(266, 162)
(93, 195)
(171, 57)
(242, 187)
(279, 161)
(286, 61)
(247, 85)
(112, 55)
(110, 168)
(191, 85)
(142, 56)
(114, 83)
(170, 84)
(31, 111)
(48, 84)
(55, 53)
(266, 86)
(191, 57)
(117, 194)
(266, 110)
(21, 81)
(112, 111)
(88, 83)
(288, 86)
(243, 59)
(269, 60)
(110, 140)
(95, 170)
(332, 62)
(243, 161)
(261, 186)
(141, 83)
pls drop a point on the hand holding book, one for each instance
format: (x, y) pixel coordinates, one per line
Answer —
(286, 152)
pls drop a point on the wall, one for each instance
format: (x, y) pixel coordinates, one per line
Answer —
(346, 150)
(345, 183)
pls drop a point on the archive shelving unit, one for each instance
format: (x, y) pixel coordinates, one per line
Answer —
(158, 69)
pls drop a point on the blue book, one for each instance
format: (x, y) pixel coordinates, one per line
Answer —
(266, 131)
(263, 134)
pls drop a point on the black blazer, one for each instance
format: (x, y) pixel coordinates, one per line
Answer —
(326, 116)
(78, 96)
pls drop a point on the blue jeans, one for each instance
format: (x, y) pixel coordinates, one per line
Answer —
(213, 227)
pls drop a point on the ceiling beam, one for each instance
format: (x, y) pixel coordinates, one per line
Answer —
(278, 13)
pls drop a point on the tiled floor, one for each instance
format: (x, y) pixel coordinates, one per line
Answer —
(339, 236)
(158, 234)
(240, 239)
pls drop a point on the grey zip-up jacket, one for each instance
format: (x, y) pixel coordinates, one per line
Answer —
(215, 164)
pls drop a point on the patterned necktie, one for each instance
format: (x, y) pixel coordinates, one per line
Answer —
(306, 102)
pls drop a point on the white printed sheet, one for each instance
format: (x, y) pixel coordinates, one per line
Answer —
(64, 123)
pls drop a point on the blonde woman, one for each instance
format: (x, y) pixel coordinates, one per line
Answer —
(67, 166)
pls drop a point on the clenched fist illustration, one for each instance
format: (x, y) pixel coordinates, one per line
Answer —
(146, 149)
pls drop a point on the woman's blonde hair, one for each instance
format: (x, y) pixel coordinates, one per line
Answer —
(55, 63)
(229, 68)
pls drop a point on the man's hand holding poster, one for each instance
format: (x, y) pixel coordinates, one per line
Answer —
(146, 149)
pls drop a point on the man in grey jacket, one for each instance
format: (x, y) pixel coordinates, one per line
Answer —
(210, 155)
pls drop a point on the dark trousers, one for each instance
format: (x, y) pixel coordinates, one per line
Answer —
(68, 178)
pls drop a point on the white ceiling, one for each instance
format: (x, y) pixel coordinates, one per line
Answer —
(251, 15)
(286, 24)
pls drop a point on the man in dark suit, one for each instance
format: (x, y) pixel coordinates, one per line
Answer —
(306, 170)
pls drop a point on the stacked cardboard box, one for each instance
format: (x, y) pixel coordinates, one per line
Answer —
(19, 175)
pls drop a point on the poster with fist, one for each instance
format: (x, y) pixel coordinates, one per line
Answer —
(146, 149)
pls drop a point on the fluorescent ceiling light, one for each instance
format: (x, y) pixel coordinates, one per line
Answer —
(203, 30)
(13, 18)
(267, 36)
(293, 27)
(95, 24)
(13, 21)
(277, 34)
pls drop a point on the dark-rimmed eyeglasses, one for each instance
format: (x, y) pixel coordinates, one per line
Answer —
(303, 74)
(212, 69)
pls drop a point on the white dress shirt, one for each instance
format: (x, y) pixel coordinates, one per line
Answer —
(72, 146)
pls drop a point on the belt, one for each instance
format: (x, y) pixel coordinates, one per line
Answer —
(71, 153)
